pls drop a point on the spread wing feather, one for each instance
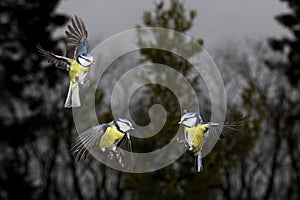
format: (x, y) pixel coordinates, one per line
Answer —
(219, 131)
(125, 143)
(91, 138)
(87, 140)
(76, 37)
(59, 61)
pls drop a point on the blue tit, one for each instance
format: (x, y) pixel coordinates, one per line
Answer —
(77, 61)
(197, 133)
(107, 136)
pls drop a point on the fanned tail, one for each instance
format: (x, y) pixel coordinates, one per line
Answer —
(198, 163)
(73, 99)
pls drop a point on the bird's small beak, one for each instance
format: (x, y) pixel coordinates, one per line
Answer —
(180, 122)
(132, 128)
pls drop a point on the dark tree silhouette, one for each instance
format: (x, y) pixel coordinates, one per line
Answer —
(289, 49)
(289, 45)
(30, 98)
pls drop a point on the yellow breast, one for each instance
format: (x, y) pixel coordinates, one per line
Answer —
(196, 135)
(76, 70)
(110, 137)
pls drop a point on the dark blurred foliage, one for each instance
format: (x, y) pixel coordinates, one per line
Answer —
(36, 131)
(23, 25)
(289, 45)
(29, 107)
(270, 74)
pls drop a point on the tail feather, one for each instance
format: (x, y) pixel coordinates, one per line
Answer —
(198, 163)
(73, 99)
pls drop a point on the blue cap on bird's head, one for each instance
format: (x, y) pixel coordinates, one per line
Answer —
(86, 55)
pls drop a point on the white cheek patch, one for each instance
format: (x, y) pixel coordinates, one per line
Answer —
(190, 122)
(84, 62)
(123, 127)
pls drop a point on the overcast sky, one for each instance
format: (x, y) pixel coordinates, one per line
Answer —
(217, 20)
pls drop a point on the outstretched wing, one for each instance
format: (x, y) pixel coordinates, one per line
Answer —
(125, 158)
(232, 127)
(87, 140)
(59, 61)
(76, 38)
(218, 131)
(125, 143)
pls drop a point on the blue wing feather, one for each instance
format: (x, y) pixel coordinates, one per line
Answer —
(81, 48)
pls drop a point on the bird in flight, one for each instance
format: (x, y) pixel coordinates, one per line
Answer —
(77, 61)
(201, 136)
(106, 137)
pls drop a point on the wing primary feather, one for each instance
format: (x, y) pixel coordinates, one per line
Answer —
(81, 26)
(226, 128)
(77, 22)
(71, 34)
(86, 141)
(232, 127)
(59, 61)
(74, 24)
(80, 141)
(125, 143)
(89, 144)
(76, 37)
(83, 149)
(84, 136)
